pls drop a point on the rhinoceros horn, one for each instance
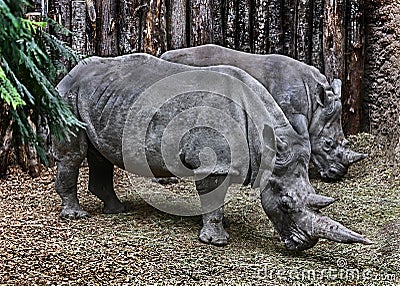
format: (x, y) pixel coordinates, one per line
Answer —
(350, 156)
(324, 227)
(316, 201)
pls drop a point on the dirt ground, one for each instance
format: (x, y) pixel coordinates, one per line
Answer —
(148, 247)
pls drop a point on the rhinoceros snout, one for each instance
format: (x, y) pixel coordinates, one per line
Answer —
(335, 171)
(301, 223)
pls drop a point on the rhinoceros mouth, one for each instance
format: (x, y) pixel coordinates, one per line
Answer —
(332, 171)
(298, 240)
(336, 171)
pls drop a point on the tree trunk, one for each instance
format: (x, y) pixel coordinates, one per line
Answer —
(289, 27)
(317, 58)
(154, 33)
(244, 24)
(176, 25)
(28, 157)
(355, 54)
(78, 26)
(6, 139)
(334, 38)
(303, 33)
(260, 27)
(200, 22)
(107, 28)
(129, 23)
(217, 16)
(231, 23)
(275, 27)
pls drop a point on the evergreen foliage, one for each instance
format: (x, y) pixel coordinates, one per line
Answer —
(29, 66)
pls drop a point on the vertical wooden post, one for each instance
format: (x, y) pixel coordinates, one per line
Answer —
(317, 58)
(64, 16)
(231, 24)
(78, 26)
(289, 27)
(260, 28)
(154, 33)
(177, 35)
(129, 35)
(275, 27)
(107, 28)
(201, 22)
(355, 49)
(91, 29)
(303, 31)
(244, 26)
(217, 9)
(334, 38)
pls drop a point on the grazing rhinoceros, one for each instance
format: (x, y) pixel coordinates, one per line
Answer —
(311, 105)
(134, 105)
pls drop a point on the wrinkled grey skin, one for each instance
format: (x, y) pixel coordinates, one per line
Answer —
(100, 92)
(311, 105)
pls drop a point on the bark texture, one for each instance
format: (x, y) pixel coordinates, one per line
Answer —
(381, 102)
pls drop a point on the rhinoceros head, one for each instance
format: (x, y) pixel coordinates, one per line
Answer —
(292, 205)
(330, 151)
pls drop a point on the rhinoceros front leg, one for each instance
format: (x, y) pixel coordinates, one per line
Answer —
(212, 191)
(69, 156)
(101, 182)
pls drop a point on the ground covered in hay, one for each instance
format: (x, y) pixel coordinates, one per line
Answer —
(148, 247)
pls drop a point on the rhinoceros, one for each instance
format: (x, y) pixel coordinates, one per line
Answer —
(312, 106)
(129, 104)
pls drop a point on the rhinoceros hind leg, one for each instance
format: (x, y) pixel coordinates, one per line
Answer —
(101, 182)
(69, 156)
(211, 198)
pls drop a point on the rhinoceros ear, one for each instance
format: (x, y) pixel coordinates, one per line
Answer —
(269, 137)
(337, 87)
(268, 157)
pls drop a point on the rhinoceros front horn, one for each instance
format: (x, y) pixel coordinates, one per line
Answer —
(324, 227)
(350, 157)
(317, 202)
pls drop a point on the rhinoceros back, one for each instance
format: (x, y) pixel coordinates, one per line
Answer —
(285, 78)
(101, 92)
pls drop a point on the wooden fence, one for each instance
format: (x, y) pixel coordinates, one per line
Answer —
(328, 34)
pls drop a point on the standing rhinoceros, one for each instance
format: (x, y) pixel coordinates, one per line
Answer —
(135, 106)
(311, 105)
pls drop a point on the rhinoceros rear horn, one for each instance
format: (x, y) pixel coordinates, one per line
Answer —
(316, 201)
(324, 227)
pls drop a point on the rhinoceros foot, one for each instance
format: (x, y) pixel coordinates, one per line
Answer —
(117, 208)
(70, 213)
(214, 233)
